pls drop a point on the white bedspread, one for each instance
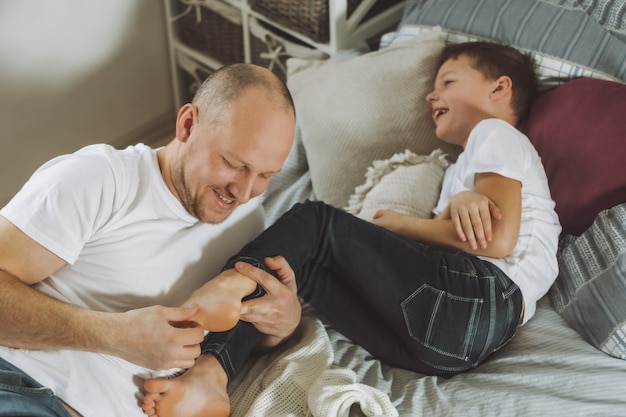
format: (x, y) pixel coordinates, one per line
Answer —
(300, 380)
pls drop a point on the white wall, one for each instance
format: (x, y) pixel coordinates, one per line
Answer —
(75, 72)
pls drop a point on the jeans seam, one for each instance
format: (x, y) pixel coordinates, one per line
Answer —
(247, 259)
(38, 391)
(44, 396)
(492, 320)
(221, 353)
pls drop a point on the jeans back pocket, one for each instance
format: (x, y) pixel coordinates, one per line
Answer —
(442, 322)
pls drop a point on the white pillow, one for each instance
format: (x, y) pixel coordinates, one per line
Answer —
(368, 108)
(406, 182)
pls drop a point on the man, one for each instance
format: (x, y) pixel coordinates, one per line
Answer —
(98, 243)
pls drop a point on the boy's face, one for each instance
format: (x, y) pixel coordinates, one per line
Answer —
(459, 100)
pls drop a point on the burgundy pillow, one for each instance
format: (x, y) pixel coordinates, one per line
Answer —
(579, 130)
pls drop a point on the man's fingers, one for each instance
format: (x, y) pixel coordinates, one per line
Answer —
(258, 311)
(284, 272)
(279, 265)
(181, 318)
(191, 354)
(269, 282)
(182, 314)
(257, 275)
(250, 310)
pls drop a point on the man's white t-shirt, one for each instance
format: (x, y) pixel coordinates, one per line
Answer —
(128, 243)
(496, 146)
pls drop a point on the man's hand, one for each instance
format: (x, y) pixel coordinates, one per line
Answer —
(157, 337)
(278, 313)
(471, 213)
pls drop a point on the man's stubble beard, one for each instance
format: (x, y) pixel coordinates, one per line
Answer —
(192, 205)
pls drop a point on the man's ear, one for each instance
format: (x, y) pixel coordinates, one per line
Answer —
(185, 121)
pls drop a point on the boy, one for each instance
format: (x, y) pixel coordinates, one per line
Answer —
(436, 296)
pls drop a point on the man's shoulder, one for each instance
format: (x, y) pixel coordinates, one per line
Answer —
(109, 153)
(108, 161)
(93, 171)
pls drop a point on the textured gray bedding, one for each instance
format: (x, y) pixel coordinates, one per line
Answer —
(546, 370)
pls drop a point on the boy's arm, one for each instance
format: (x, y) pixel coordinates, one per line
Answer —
(472, 214)
(504, 192)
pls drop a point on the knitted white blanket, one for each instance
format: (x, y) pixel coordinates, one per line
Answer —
(300, 381)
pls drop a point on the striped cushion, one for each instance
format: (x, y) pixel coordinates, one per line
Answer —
(550, 71)
(590, 292)
(610, 14)
(569, 34)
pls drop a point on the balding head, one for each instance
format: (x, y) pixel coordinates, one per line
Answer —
(230, 141)
(227, 84)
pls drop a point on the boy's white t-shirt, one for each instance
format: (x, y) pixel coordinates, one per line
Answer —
(496, 146)
(128, 243)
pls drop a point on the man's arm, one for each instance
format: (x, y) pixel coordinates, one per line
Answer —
(504, 192)
(33, 320)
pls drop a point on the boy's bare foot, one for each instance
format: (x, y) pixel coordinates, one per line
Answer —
(199, 392)
(220, 300)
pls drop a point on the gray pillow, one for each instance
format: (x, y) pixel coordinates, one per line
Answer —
(590, 291)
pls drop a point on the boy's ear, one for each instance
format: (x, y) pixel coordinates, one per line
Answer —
(502, 87)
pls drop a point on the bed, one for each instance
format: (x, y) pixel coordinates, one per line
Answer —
(570, 358)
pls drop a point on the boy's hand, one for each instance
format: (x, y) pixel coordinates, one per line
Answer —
(471, 213)
(390, 220)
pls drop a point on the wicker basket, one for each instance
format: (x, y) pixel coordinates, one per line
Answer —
(214, 29)
(192, 74)
(311, 17)
(271, 48)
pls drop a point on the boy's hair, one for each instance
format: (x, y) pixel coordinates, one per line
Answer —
(494, 60)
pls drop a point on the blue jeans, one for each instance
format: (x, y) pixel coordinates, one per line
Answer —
(411, 306)
(21, 395)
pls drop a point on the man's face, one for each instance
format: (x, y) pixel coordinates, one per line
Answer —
(223, 166)
(459, 100)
